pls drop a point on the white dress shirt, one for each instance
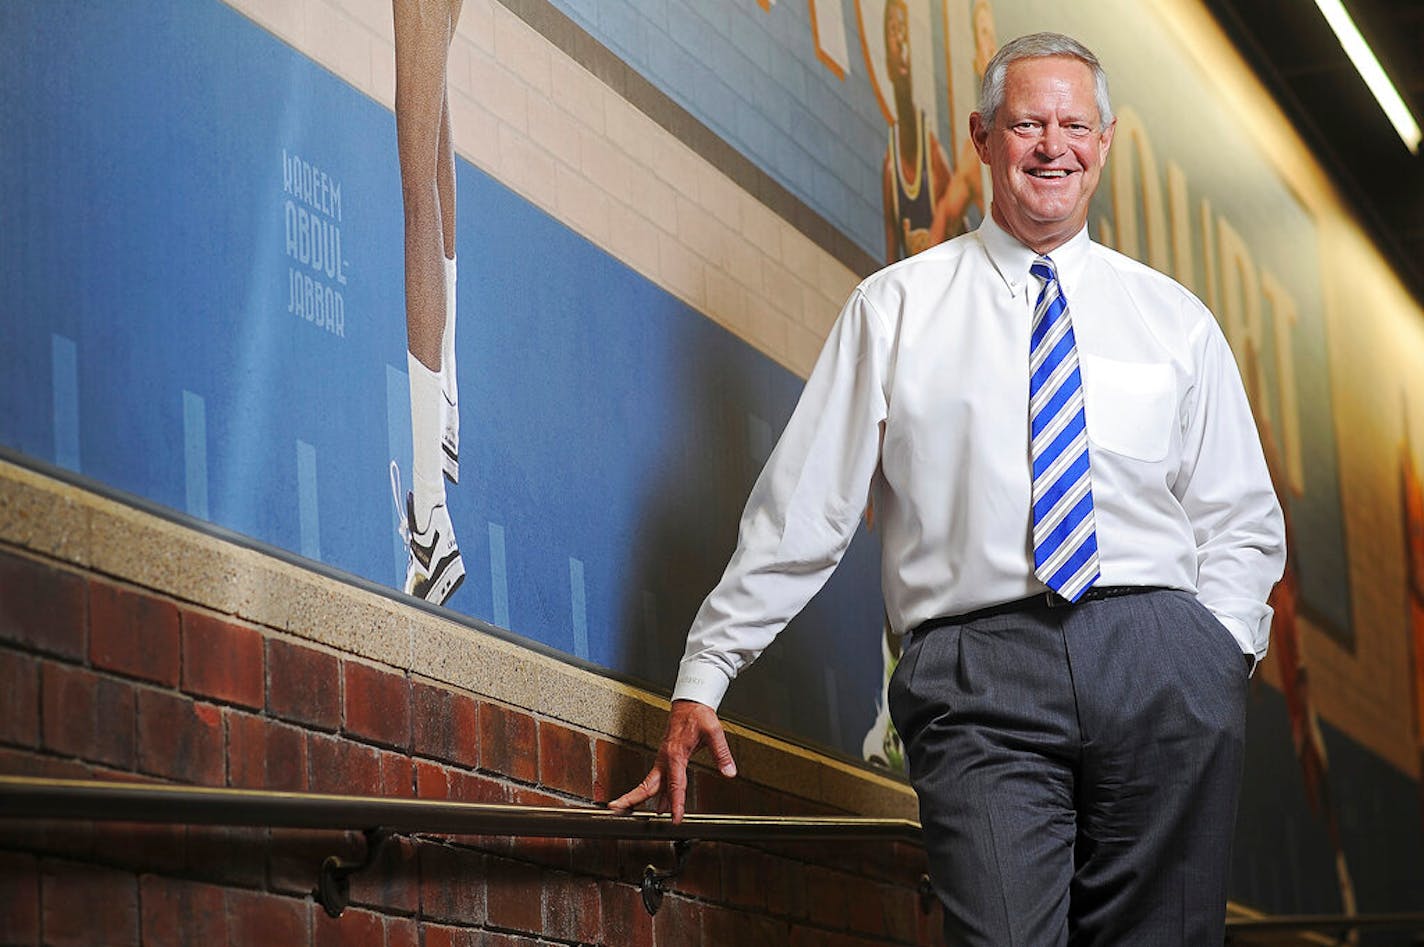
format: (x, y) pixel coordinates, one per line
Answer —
(920, 398)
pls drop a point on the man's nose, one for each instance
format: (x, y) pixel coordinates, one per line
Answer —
(1051, 142)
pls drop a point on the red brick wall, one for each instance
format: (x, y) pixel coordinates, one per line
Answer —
(105, 680)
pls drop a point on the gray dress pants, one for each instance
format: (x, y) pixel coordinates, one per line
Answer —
(1078, 770)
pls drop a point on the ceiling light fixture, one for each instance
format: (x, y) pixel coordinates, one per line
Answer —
(1372, 72)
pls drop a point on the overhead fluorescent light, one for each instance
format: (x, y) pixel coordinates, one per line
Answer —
(1372, 72)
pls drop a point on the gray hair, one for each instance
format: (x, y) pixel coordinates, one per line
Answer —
(1038, 46)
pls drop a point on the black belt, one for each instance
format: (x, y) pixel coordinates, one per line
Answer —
(1046, 599)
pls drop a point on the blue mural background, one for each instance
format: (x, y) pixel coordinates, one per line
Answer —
(610, 433)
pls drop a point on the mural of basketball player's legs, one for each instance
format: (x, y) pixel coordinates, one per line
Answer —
(423, 31)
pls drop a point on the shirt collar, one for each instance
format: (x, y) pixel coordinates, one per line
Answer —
(1012, 259)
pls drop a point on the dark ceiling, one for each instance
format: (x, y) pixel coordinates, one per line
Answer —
(1296, 55)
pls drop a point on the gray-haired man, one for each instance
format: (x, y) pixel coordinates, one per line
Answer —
(1079, 535)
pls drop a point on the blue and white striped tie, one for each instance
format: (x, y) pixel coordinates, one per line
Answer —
(1065, 539)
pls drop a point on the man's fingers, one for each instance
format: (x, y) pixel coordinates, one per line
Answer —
(628, 800)
(677, 790)
(721, 752)
(690, 725)
(640, 793)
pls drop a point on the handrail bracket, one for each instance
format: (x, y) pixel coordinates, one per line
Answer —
(657, 883)
(333, 886)
(925, 891)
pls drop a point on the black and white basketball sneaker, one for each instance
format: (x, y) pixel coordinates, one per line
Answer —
(434, 569)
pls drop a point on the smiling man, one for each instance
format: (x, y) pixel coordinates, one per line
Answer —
(1045, 142)
(1078, 536)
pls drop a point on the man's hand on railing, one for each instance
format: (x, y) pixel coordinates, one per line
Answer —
(690, 726)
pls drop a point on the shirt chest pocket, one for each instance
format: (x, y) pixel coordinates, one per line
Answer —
(1131, 406)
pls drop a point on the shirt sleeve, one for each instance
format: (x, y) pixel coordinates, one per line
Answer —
(1225, 488)
(803, 510)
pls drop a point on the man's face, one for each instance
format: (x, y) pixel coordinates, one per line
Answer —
(897, 42)
(1044, 151)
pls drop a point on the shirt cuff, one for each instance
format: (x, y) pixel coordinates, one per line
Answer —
(702, 682)
(1245, 638)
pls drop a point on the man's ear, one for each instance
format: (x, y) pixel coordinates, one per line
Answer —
(1107, 139)
(979, 134)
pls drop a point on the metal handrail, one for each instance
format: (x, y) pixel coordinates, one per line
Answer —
(39, 798)
(380, 818)
(30, 797)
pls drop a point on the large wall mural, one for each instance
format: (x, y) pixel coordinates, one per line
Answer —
(207, 287)
(230, 289)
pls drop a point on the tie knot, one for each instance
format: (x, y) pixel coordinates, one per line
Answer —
(1043, 269)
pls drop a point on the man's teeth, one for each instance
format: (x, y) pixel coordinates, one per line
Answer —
(1049, 173)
